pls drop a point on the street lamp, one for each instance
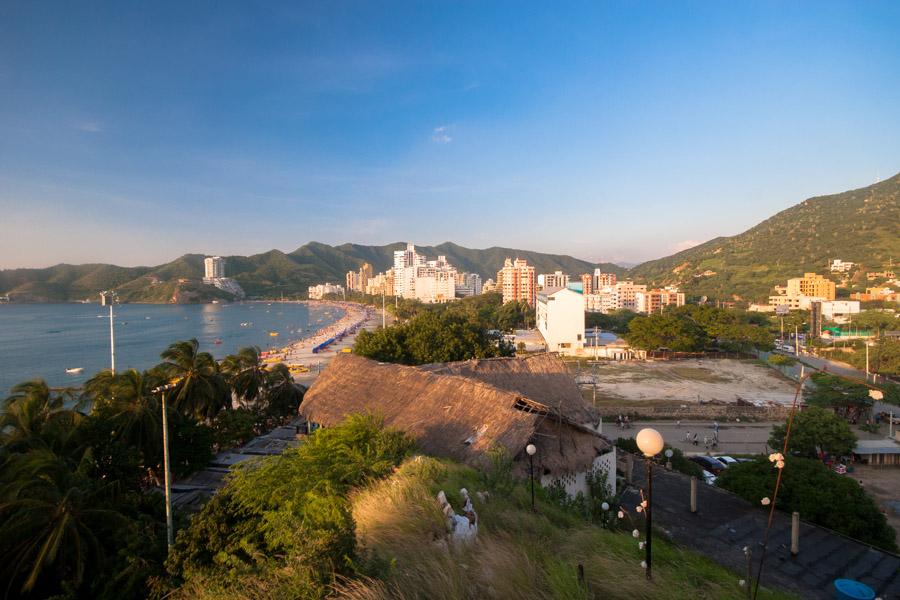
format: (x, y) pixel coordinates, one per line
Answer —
(110, 297)
(669, 454)
(868, 343)
(650, 443)
(530, 449)
(170, 532)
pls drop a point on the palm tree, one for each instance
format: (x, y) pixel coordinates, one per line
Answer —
(50, 523)
(200, 390)
(127, 399)
(36, 417)
(246, 374)
(283, 396)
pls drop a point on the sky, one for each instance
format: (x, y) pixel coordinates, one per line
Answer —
(132, 133)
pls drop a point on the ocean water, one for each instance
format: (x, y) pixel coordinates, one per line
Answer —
(43, 340)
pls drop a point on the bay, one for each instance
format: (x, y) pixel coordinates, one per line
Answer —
(43, 340)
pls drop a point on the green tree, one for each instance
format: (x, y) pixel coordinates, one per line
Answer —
(845, 397)
(815, 429)
(34, 416)
(283, 396)
(665, 330)
(820, 495)
(200, 390)
(246, 373)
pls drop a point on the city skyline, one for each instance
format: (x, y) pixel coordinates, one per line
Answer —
(616, 133)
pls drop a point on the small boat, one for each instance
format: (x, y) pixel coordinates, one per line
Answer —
(217, 341)
(273, 333)
(74, 370)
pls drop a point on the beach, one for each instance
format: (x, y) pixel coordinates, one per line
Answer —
(300, 355)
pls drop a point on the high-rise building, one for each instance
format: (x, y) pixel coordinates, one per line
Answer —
(602, 280)
(357, 280)
(213, 267)
(516, 281)
(468, 284)
(587, 283)
(556, 279)
(383, 283)
(626, 292)
(405, 263)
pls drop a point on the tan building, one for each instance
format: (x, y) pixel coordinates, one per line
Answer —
(383, 283)
(883, 294)
(653, 301)
(602, 280)
(626, 294)
(587, 283)
(489, 286)
(357, 280)
(811, 285)
(516, 281)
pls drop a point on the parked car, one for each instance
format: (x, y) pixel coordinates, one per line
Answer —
(709, 478)
(709, 463)
(727, 460)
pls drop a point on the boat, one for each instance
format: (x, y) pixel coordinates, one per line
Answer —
(217, 341)
(273, 333)
(74, 370)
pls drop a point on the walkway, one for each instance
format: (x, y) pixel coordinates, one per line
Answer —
(725, 524)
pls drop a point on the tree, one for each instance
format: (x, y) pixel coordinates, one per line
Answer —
(845, 397)
(815, 429)
(665, 330)
(36, 417)
(820, 495)
(200, 390)
(245, 372)
(283, 396)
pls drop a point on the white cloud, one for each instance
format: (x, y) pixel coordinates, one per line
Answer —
(89, 126)
(441, 135)
(684, 245)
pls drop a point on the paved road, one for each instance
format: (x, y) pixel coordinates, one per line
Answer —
(725, 524)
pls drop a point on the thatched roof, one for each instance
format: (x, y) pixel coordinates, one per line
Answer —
(543, 378)
(448, 415)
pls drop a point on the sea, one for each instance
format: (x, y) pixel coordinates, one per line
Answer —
(43, 340)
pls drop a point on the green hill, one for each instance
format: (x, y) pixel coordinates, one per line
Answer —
(861, 226)
(262, 275)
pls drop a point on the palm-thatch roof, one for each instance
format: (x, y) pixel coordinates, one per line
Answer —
(451, 415)
(543, 378)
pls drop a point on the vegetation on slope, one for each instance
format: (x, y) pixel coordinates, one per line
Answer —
(859, 226)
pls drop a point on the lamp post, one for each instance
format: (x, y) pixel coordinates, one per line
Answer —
(669, 454)
(170, 532)
(650, 443)
(530, 449)
(110, 297)
(868, 343)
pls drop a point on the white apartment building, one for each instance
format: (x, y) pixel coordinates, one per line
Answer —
(213, 267)
(556, 279)
(626, 294)
(839, 310)
(840, 266)
(468, 284)
(317, 292)
(560, 320)
(600, 302)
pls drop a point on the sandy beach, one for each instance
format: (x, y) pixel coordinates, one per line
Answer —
(356, 317)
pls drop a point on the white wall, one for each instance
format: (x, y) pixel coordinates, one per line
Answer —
(560, 320)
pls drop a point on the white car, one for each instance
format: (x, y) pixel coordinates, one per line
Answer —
(727, 460)
(709, 478)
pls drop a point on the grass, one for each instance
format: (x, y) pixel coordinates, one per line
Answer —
(518, 553)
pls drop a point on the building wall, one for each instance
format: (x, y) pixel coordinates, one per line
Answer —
(560, 320)
(811, 284)
(213, 267)
(516, 281)
(574, 482)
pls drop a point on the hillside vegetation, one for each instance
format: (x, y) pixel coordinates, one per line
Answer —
(345, 515)
(861, 226)
(262, 275)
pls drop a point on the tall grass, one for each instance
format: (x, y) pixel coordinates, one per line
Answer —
(517, 554)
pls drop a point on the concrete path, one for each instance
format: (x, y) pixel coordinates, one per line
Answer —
(725, 524)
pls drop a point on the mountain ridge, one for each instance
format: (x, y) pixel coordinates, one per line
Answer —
(860, 225)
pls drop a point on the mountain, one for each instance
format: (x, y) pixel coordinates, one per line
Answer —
(861, 226)
(269, 274)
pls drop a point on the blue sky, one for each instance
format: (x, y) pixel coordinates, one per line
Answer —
(135, 132)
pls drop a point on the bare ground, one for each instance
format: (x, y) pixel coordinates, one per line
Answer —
(662, 383)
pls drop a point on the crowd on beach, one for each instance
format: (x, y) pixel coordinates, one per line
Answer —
(355, 315)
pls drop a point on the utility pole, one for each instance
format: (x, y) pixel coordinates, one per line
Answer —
(109, 297)
(382, 308)
(797, 340)
(170, 531)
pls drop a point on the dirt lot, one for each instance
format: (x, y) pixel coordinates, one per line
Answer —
(883, 484)
(685, 382)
